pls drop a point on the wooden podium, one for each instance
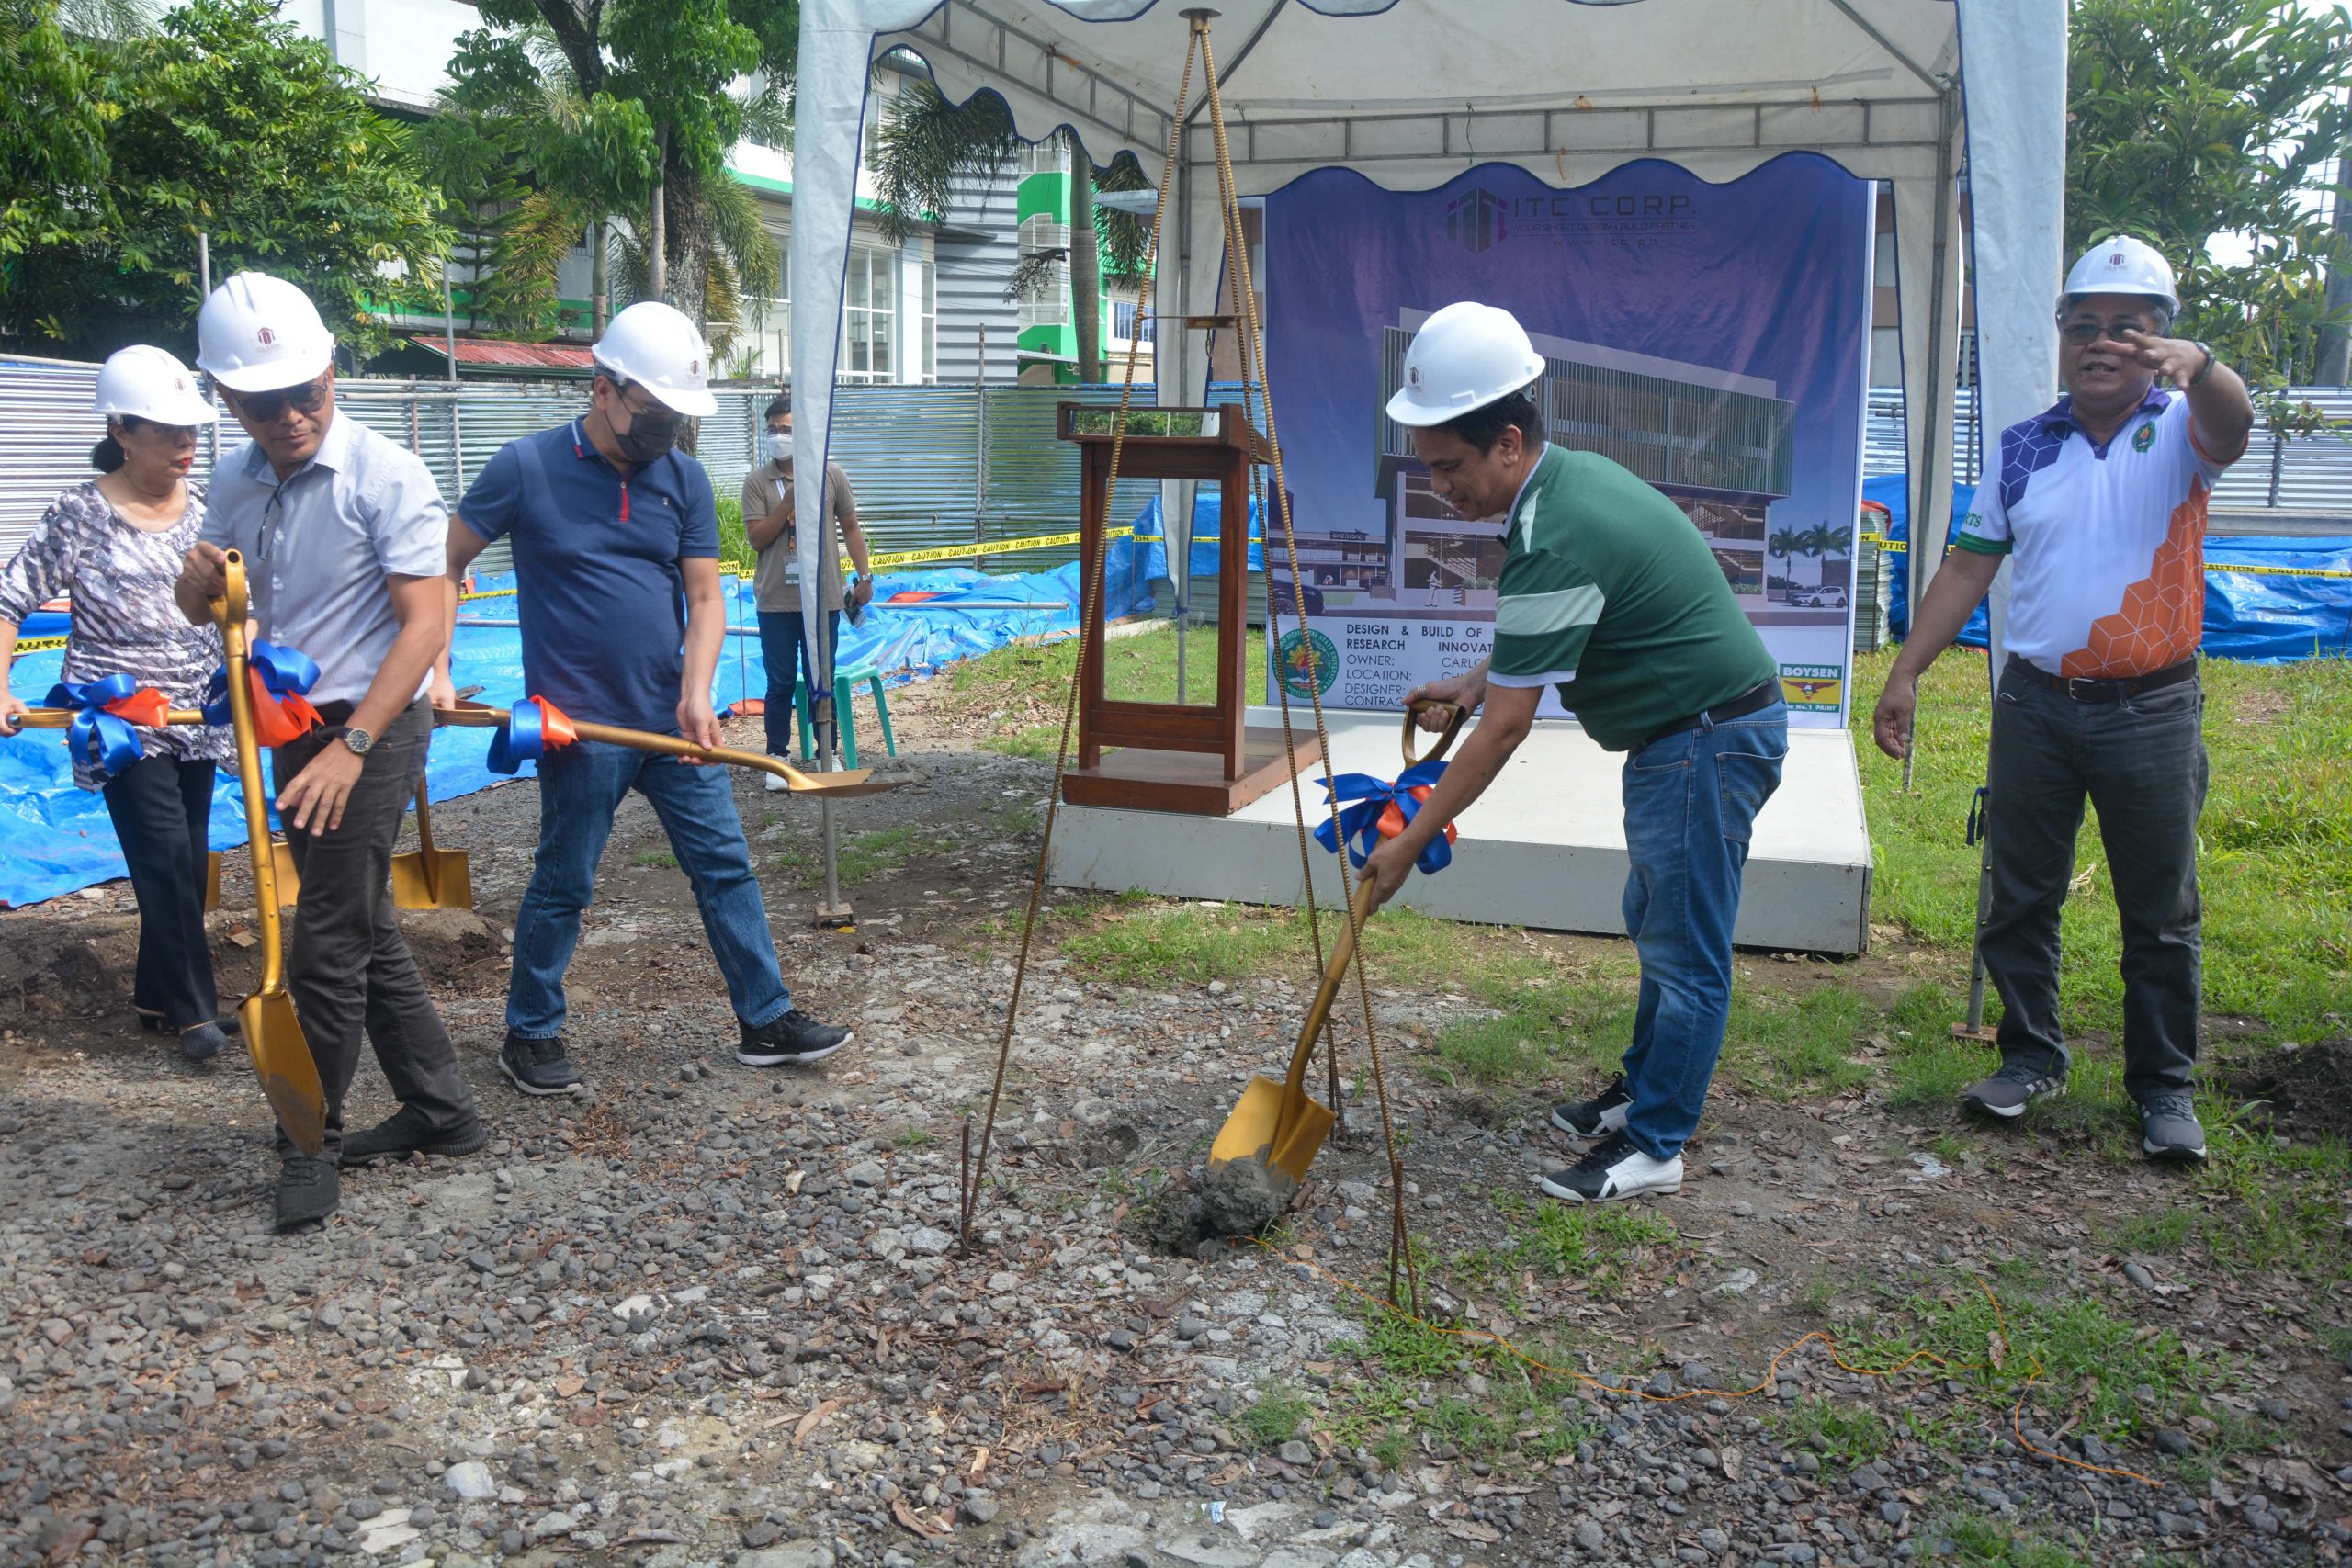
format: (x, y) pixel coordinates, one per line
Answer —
(1200, 761)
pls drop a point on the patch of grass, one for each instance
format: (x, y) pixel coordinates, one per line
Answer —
(1019, 691)
(661, 859)
(1277, 1416)
(2165, 1230)
(1978, 1538)
(861, 857)
(2092, 1363)
(1842, 1432)
(1928, 1066)
(1801, 1043)
(1595, 1246)
(735, 552)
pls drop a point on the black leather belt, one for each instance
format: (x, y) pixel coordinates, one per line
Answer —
(1763, 694)
(2084, 689)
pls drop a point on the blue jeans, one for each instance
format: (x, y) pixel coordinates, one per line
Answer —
(784, 649)
(1691, 800)
(579, 788)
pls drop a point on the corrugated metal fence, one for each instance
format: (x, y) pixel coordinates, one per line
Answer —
(932, 465)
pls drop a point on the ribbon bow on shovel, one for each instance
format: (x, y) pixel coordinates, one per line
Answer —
(277, 678)
(534, 728)
(97, 732)
(1379, 809)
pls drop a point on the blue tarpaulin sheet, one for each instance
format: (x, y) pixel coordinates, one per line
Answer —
(55, 838)
(1207, 506)
(2266, 617)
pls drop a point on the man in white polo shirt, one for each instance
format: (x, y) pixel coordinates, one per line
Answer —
(342, 533)
(2100, 502)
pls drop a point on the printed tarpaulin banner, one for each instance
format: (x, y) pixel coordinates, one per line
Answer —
(1711, 338)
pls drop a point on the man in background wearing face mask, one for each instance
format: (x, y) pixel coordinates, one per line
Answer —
(768, 512)
(610, 527)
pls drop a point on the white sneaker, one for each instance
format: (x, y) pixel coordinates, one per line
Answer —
(1613, 1170)
(778, 784)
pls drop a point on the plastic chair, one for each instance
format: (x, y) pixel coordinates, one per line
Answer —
(846, 680)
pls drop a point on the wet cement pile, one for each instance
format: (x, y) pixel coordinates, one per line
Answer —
(1226, 1205)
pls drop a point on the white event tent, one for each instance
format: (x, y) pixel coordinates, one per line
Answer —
(1413, 93)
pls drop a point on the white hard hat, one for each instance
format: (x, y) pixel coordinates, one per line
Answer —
(654, 346)
(258, 333)
(1465, 357)
(140, 382)
(2123, 265)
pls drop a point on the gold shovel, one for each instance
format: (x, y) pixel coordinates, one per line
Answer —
(1279, 1125)
(838, 785)
(427, 879)
(290, 1078)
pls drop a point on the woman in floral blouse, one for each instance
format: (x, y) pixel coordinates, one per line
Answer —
(115, 545)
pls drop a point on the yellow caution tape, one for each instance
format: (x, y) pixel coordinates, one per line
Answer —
(36, 644)
(2277, 571)
(890, 557)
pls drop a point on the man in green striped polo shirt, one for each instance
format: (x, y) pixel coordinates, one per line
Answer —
(1609, 593)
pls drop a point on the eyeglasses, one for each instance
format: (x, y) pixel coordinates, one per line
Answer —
(273, 513)
(264, 406)
(2082, 334)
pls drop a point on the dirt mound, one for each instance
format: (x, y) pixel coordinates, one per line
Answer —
(1227, 1204)
(2305, 1091)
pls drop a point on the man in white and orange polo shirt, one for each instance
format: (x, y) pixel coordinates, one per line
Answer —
(2101, 502)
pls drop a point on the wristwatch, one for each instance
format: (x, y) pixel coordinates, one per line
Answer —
(359, 740)
(2206, 369)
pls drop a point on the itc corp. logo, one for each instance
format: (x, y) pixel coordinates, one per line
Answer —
(1477, 219)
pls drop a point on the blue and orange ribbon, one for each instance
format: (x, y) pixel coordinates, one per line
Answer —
(280, 677)
(1377, 809)
(105, 711)
(533, 727)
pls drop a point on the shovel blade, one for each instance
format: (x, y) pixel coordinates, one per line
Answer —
(447, 883)
(289, 1079)
(1254, 1132)
(211, 880)
(841, 786)
(281, 869)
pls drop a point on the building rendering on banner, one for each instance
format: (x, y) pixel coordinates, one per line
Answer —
(1716, 442)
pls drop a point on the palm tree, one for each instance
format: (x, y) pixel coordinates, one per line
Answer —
(1783, 543)
(925, 143)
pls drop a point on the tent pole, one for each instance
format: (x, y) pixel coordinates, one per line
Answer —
(1925, 553)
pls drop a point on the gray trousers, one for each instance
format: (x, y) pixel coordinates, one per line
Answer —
(349, 970)
(2140, 763)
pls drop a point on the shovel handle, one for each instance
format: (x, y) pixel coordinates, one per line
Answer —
(62, 719)
(478, 716)
(1294, 1084)
(1444, 741)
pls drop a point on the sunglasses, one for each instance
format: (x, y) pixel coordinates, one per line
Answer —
(264, 406)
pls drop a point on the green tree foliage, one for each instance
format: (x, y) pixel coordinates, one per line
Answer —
(2191, 118)
(572, 112)
(925, 143)
(226, 121)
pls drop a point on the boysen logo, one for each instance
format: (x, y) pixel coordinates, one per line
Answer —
(1311, 662)
(1476, 219)
(2144, 438)
(1812, 688)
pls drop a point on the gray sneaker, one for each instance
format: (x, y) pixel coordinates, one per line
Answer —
(2008, 1091)
(2169, 1130)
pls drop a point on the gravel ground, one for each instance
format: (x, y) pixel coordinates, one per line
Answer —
(705, 1315)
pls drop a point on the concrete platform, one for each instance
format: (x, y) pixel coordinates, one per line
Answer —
(1545, 847)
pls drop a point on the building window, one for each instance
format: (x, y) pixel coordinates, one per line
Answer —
(1124, 317)
(1045, 157)
(927, 329)
(870, 341)
(1047, 303)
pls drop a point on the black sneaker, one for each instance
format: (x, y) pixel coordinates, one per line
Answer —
(2169, 1131)
(537, 1066)
(2009, 1091)
(408, 1132)
(795, 1037)
(1588, 1121)
(308, 1190)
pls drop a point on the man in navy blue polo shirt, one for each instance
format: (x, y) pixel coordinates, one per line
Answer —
(611, 528)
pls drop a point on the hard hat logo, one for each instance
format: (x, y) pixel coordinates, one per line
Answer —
(264, 337)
